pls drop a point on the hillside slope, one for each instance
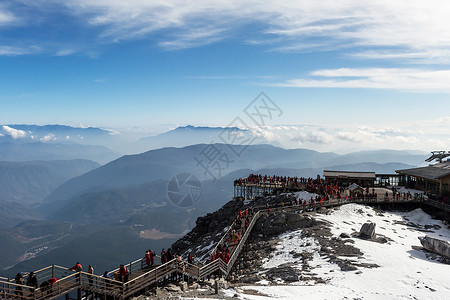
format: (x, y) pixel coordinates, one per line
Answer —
(32, 181)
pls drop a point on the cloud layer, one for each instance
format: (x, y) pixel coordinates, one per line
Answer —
(405, 29)
(417, 80)
(424, 135)
(14, 133)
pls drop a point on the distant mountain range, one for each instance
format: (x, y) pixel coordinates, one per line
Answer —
(190, 135)
(55, 133)
(53, 151)
(55, 142)
(162, 164)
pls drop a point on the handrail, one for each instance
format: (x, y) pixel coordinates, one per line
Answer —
(153, 270)
(223, 238)
(237, 251)
(438, 204)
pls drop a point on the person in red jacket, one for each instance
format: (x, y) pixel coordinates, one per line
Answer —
(147, 258)
(77, 268)
(226, 257)
(123, 273)
(163, 256)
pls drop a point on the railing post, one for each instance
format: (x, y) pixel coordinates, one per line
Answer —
(130, 269)
(104, 287)
(79, 289)
(53, 271)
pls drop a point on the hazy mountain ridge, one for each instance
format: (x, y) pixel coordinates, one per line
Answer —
(183, 136)
(13, 151)
(31, 181)
(56, 133)
(167, 162)
(12, 213)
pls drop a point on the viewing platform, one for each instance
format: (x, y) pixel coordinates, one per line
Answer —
(258, 185)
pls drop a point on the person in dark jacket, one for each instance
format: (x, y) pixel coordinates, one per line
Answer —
(32, 280)
(19, 280)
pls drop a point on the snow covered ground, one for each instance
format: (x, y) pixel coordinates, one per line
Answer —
(403, 273)
(304, 195)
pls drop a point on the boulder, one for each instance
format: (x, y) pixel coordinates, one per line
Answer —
(435, 245)
(279, 223)
(194, 286)
(221, 284)
(183, 285)
(172, 288)
(367, 231)
(344, 235)
(347, 267)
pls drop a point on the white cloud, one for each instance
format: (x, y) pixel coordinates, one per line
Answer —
(6, 17)
(407, 28)
(312, 137)
(15, 51)
(65, 52)
(48, 138)
(425, 135)
(415, 80)
(410, 30)
(14, 133)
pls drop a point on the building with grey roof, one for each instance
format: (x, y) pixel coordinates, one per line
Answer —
(433, 179)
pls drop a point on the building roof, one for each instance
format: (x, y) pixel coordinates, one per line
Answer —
(435, 172)
(349, 174)
(353, 187)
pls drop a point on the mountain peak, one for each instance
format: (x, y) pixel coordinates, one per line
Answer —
(205, 128)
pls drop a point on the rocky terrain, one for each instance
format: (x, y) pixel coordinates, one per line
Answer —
(315, 249)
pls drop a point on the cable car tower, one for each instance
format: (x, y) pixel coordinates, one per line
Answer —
(438, 155)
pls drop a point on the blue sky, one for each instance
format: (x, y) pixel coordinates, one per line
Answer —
(341, 66)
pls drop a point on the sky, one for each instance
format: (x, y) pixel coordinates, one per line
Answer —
(342, 73)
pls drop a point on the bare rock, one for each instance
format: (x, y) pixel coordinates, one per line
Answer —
(194, 286)
(172, 288)
(222, 284)
(435, 245)
(347, 267)
(183, 285)
(345, 235)
(367, 231)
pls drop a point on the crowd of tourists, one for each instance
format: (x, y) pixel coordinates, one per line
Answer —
(265, 179)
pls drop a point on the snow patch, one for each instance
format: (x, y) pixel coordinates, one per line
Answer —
(403, 273)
